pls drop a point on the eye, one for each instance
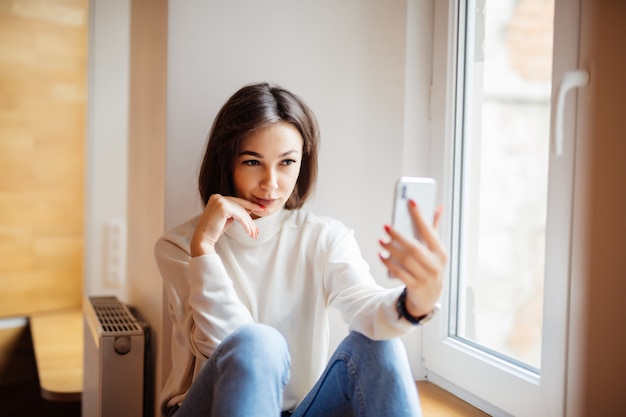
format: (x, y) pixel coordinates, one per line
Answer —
(251, 162)
(289, 161)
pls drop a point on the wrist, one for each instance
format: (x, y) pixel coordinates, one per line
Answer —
(403, 312)
(413, 309)
(200, 248)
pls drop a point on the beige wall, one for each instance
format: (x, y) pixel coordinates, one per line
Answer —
(146, 169)
(597, 372)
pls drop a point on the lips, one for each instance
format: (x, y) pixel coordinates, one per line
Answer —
(265, 201)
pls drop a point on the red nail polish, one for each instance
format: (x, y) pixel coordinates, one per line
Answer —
(412, 203)
(387, 228)
(262, 206)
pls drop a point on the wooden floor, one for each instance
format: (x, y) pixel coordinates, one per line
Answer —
(437, 402)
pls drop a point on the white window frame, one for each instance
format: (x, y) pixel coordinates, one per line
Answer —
(498, 387)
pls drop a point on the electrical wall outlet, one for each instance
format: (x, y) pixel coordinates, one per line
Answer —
(114, 252)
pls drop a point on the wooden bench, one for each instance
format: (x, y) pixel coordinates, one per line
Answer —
(58, 344)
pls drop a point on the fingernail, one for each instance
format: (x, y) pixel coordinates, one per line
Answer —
(262, 206)
(387, 228)
(412, 203)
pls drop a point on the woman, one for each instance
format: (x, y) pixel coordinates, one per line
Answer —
(250, 282)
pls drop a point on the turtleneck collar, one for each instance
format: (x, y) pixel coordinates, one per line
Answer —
(268, 227)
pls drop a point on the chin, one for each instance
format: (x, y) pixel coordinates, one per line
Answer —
(267, 212)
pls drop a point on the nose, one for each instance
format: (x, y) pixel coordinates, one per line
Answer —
(269, 181)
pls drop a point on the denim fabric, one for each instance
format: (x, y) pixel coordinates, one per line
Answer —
(364, 378)
(246, 375)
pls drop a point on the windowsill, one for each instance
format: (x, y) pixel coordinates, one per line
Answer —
(437, 402)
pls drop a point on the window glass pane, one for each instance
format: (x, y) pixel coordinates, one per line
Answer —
(503, 186)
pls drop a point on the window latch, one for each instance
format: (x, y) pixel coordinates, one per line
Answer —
(569, 81)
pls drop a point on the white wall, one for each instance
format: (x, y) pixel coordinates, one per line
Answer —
(352, 61)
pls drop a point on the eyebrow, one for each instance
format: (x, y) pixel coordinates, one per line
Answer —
(258, 155)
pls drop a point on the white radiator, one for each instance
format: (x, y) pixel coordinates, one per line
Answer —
(114, 352)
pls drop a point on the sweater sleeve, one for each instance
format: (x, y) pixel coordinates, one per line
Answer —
(201, 296)
(216, 309)
(366, 306)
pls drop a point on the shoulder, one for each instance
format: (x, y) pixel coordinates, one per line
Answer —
(180, 235)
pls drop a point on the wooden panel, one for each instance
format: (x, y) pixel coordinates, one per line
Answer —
(43, 66)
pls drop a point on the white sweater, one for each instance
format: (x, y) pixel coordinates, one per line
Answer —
(300, 265)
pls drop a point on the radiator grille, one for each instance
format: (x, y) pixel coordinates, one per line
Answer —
(115, 358)
(114, 316)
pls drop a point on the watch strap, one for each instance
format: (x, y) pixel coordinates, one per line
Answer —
(403, 312)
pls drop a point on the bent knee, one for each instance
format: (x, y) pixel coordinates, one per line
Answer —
(258, 346)
(385, 353)
(258, 335)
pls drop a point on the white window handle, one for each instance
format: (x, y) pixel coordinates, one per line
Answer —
(570, 80)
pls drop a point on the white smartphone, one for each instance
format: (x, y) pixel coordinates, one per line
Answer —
(423, 191)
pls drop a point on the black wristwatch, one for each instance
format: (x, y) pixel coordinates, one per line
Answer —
(402, 311)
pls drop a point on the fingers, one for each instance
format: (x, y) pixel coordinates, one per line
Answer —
(249, 206)
(418, 264)
(237, 209)
(408, 274)
(422, 228)
(438, 214)
(222, 211)
(419, 223)
(406, 256)
(413, 260)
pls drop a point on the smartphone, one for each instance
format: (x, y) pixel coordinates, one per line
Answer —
(423, 191)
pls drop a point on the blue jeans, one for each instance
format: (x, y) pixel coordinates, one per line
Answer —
(246, 375)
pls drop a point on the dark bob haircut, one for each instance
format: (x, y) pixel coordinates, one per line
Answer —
(254, 107)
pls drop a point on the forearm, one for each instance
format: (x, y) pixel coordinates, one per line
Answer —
(215, 306)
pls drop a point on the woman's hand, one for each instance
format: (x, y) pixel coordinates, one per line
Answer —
(417, 263)
(219, 213)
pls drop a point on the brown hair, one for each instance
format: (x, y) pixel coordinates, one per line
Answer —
(253, 107)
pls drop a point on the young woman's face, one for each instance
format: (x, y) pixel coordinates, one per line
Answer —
(267, 166)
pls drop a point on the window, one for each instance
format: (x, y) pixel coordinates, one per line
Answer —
(504, 107)
(500, 343)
